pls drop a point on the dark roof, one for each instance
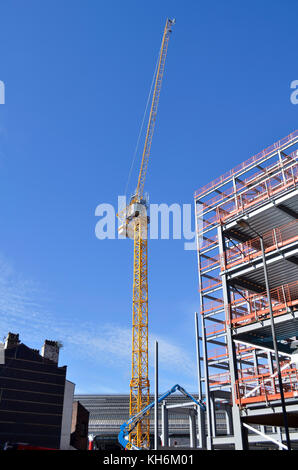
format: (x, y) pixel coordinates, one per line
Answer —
(22, 351)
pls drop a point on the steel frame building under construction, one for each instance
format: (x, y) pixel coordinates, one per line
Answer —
(247, 243)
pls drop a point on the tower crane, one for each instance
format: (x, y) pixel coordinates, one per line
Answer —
(134, 224)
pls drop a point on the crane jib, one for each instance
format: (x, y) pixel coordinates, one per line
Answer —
(154, 107)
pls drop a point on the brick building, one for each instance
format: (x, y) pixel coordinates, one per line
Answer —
(79, 426)
(32, 387)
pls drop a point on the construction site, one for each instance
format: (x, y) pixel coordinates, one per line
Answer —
(247, 343)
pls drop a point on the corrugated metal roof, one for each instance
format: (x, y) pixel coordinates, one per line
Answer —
(108, 412)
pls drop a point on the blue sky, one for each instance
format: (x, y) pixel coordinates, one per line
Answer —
(77, 75)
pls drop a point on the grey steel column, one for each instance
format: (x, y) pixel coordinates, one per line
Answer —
(201, 413)
(279, 436)
(282, 167)
(256, 362)
(213, 414)
(282, 398)
(192, 429)
(263, 429)
(228, 420)
(276, 430)
(271, 369)
(207, 392)
(165, 424)
(156, 399)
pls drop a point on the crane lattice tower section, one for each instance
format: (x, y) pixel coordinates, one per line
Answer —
(135, 225)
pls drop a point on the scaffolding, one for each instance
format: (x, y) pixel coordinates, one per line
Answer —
(257, 199)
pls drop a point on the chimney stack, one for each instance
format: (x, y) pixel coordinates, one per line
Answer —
(50, 350)
(11, 340)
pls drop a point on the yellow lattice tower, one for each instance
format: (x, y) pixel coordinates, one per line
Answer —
(139, 385)
(135, 225)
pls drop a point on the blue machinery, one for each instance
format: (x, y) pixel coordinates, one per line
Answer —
(123, 436)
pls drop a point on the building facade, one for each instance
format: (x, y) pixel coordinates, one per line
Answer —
(32, 387)
(79, 426)
(247, 243)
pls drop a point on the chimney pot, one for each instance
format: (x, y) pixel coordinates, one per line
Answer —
(50, 350)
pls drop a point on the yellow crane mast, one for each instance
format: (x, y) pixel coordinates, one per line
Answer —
(134, 224)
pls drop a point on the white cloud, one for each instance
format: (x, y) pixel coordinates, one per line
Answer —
(172, 356)
(21, 311)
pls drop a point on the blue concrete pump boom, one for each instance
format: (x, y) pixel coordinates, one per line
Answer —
(134, 420)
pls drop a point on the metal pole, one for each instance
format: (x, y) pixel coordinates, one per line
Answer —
(165, 424)
(198, 356)
(192, 429)
(201, 413)
(282, 398)
(213, 414)
(207, 390)
(156, 399)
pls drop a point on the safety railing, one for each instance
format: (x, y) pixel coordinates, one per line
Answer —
(209, 221)
(222, 352)
(259, 193)
(251, 372)
(243, 199)
(256, 306)
(210, 283)
(254, 159)
(273, 239)
(215, 329)
(265, 387)
(243, 349)
(218, 353)
(207, 242)
(219, 379)
(224, 378)
(208, 261)
(271, 170)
